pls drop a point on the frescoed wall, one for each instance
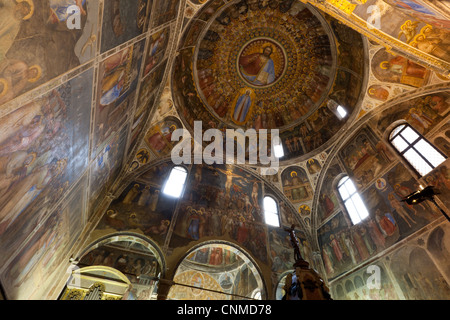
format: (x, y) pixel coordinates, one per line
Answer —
(328, 203)
(219, 202)
(413, 28)
(222, 269)
(383, 182)
(433, 12)
(28, 58)
(399, 280)
(47, 249)
(296, 185)
(69, 85)
(159, 136)
(123, 21)
(106, 166)
(397, 69)
(44, 151)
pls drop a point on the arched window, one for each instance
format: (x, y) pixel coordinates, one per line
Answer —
(175, 183)
(412, 146)
(271, 212)
(352, 201)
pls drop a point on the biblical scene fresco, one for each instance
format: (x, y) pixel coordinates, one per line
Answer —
(259, 66)
(422, 277)
(424, 281)
(225, 203)
(118, 77)
(414, 22)
(141, 208)
(156, 49)
(328, 202)
(147, 98)
(140, 119)
(106, 166)
(218, 202)
(153, 79)
(44, 149)
(132, 259)
(27, 58)
(364, 157)
(397, 69)
(382, 185)
(423, 113)
(440, 140)
(165, 11)
(440, 179)
(296, 185)
(390, 220)
(359, 286)
(282, 253)
(159, 136)
(288, 216)
(47, 249)
(123, 21)
(51, 76)
(157, 175)
(430, 11)
(191, 37)
(221, 269)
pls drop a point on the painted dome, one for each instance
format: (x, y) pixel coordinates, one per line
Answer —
(265, 65)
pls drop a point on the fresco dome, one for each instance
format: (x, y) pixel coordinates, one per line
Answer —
(265, 65)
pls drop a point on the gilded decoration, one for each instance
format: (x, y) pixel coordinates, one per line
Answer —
(258, 59)
(240, 68)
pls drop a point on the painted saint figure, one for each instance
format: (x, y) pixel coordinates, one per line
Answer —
(12, 14)
(242, 107)
(258, 68)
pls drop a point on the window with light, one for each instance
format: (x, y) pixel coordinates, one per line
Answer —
(271, 212)
(175, 183)
(353, 203)
(415, 149)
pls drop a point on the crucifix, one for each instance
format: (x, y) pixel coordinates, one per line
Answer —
(299, 261)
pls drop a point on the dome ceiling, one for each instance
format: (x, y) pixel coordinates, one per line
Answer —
(268, 57)
(265, 65)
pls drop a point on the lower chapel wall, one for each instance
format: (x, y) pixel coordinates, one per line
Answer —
(411, 265)
(219, 205)
(418, 270)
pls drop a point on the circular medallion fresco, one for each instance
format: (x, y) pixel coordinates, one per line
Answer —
(261, 62)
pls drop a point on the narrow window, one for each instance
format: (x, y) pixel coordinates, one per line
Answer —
(271, 212)
(352, 201)
(415, 149)
(175, 183)
(278, 150)
(341, 111)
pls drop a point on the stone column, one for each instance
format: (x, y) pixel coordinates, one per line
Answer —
(164, 286)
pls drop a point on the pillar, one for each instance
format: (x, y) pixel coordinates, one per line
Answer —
(164, 286)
